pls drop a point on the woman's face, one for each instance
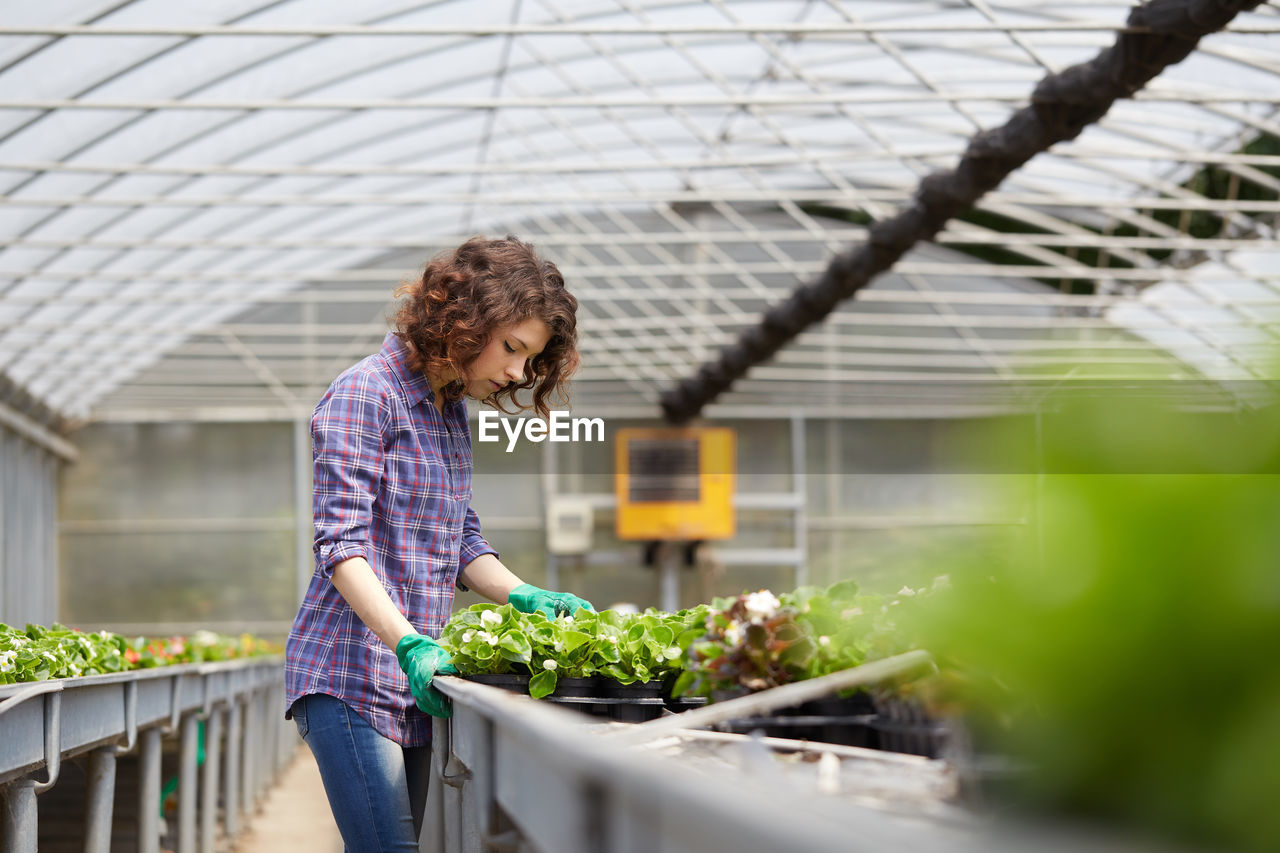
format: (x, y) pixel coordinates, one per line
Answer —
(503, 359)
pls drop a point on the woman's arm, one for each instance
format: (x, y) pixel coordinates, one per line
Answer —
(355, 580)
(487, 576)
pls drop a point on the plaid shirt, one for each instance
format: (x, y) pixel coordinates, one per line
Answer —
(392, 485)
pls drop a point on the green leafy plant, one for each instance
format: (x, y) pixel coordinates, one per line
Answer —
(757, 640)
(1126, 654)
(37, 653)
(626, 648)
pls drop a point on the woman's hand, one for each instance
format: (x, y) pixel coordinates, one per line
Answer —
(527, 598)
(422, 659)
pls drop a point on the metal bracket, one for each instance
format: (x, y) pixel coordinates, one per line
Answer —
(130, 717)
(453, 773)
(503, 842)
(455, 780)
(52, 740)
(175, 708)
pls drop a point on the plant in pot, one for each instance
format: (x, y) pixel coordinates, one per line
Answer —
(584, 654)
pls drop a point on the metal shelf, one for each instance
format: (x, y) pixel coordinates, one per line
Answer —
(42, 723)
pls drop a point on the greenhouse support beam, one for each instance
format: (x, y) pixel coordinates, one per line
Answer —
(189, 737)
(1161, 33)
(209, 780)
(833, 29)
(707, 195)
(18, 817)
(100, 800)
(248, 756)
(148, 790)
(231, 778)
(303, 531)
(791, 100)
(33, 431)
(967, 238)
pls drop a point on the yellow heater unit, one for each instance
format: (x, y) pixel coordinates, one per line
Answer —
(675, 485)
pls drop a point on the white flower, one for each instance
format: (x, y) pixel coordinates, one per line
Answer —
(613, 640)
(762, 604)
(566, 618)
(906, 590)
(549, 664)
(824, 641)
(486, 637)
(467, 635)
(6, 661)
(489, 617)
(733, 633)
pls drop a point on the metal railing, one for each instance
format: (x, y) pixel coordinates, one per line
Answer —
(510, 773)
(102, 716)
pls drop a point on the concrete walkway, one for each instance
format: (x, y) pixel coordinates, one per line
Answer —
(295, 814)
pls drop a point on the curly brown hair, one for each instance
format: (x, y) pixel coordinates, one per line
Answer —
(448, 315)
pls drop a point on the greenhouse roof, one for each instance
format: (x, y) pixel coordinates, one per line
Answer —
(206, 207)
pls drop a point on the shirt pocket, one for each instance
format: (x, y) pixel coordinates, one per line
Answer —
(416, 483)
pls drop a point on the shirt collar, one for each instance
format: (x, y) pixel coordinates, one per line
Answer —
(415, 384)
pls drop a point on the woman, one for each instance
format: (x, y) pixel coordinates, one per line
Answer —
(394, 528)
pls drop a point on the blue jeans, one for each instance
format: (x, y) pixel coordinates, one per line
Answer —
(376, 787)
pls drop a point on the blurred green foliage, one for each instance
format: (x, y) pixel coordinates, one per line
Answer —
(1129, 651)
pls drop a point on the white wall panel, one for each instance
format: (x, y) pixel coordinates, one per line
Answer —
(28, 531)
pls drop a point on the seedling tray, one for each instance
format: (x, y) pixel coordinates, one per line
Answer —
(595, 697)
(847, 730)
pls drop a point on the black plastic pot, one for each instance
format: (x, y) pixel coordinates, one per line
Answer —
(576, 687)
(853, 730)
(857, 705)
(904, 726)
(679, 704)
(639, 690)
(512, 681)
(600, 697)
(636, 710)
(847, 721)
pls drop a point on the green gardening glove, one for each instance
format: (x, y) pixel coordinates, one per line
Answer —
(528, 598)
(422, 659)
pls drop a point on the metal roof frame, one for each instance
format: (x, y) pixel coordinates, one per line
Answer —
(205, 214)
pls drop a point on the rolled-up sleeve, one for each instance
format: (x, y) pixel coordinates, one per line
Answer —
(347, 435)
(473, 543)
